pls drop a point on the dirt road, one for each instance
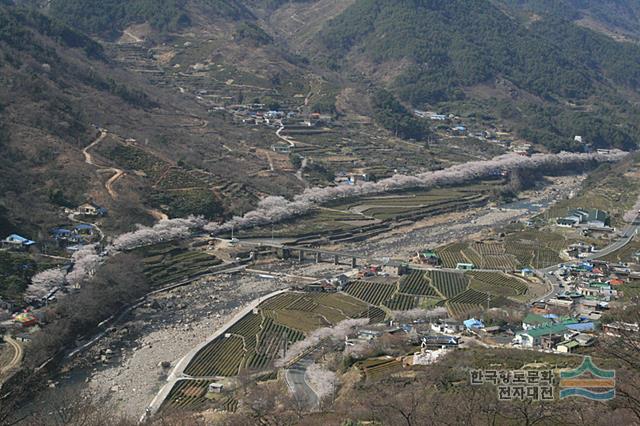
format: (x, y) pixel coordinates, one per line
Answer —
(17, 356)
(117, 173)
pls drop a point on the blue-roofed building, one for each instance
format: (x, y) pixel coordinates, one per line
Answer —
(17, 242)
(583, 326)
(473, 324)
(84, 229)
(61, 234)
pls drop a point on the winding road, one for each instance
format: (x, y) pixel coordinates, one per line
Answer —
(629, 232)
(292, 144)
(117, 173)
(296, 378)
(17, 356)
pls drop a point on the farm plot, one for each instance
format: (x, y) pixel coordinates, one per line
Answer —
(300, 320)
(417, 284)
(348, 305)
(448, 284)
(172, 265)
(462, 310)
(192, 395)
(189, 394)
(535, 248)
(374, 369)
(504, 262)
(281, 301)
(401, 302)
(491, 248)
(452, 254)
(247, 328)
(471, 297)
(497, 283)
(306, 312)
(370, 292)
(271, 340)
(222, 357)
(472, 256)
(375, 315)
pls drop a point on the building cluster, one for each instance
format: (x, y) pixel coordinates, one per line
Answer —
(590, 285)
(553, 333)
(71, 237)
(588, 219)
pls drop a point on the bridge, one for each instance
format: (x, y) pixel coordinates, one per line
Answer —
(317, 255)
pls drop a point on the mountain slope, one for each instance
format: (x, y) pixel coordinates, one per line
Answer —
(618, 18)
(56, 84)
(165, 151)
(109, 17)
(434, 51)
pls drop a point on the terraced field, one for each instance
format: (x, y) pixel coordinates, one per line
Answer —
(378, 368)
(448, 284)
(186, 394)
(222, 357)
(497, 283)
(625, 254)
(260, 337)
(192, 395)
(370, 292)
(417, 284)
(401, 302)
(452, 254)
(536, 249)
(165, 265)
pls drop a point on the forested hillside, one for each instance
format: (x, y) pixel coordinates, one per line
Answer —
(621, 16)
(108, 17)
(447, 47)
(57, 85)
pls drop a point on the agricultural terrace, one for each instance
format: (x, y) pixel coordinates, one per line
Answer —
(167, 263)
(360, 212)
(260, 337)
(613, 188)
(376, 368)
(460, 292)
(524, 248)
(337, 150)
(499, 284)
(193, 395)
(407, 204)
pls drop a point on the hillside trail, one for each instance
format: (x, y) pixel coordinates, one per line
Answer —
(17, 356)
(292, 144)
(117, 173)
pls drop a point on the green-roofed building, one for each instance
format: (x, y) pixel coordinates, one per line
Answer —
(535, 320)
(567, 346)
(532, 337)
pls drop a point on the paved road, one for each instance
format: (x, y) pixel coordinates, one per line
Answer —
(296, 379)
(626, 237)
(178, 371)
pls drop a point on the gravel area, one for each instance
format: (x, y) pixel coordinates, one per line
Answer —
(444, 229)
(128, 367)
